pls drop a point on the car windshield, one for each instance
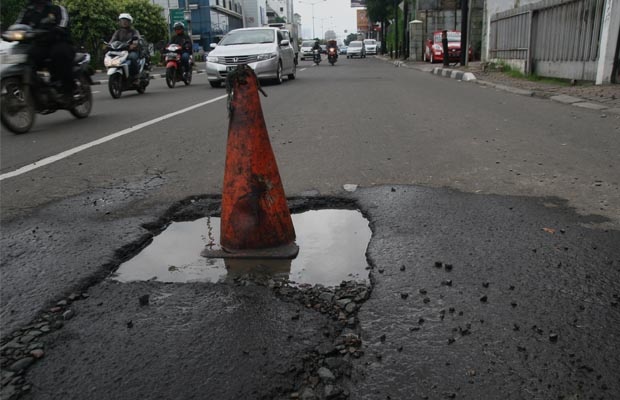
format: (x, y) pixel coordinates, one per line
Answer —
(250, 36)
(355, 44)
(307, 44)
(370, 41)
(452, 37)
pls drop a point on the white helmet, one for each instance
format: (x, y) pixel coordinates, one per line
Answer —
(125, 16)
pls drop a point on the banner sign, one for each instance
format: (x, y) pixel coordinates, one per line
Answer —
(362, 21)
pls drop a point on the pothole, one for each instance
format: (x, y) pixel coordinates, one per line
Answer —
(332, 248)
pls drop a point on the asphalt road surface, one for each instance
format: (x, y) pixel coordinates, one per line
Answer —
(495, 252)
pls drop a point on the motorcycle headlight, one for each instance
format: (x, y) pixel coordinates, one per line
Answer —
(14, 36)
(112, 62)
(115, 60)
(266, 56)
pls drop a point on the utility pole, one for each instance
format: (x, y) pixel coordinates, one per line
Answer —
(405, 51)
(464, 29)
(188, 18)
(396, 28)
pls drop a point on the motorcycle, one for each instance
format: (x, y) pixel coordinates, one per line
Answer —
(316, 56)
(117, 63)
(26, 91)
(174, 68)
(332, 55)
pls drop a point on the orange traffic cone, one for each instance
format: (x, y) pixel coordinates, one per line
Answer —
(256, 221)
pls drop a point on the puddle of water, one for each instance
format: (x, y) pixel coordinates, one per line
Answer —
(332, 248)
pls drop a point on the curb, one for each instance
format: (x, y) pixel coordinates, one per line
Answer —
(454, 74)
(564, 99)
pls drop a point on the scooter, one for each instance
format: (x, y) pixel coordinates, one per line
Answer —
(116, 62)
(332, 55)
(316, 56)
(174, 68)
(27, 91)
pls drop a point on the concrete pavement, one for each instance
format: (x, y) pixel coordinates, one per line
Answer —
(604, 98)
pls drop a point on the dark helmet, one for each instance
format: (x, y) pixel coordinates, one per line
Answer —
(179, 26)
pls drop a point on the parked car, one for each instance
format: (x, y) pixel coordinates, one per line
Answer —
(371, 46)
(356, 49)
(305, 51)
(342, 49)
(264, 49)
(433, 50)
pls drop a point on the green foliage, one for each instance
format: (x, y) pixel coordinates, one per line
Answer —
(148, 19)
(515, 73)
(9, 11)
(93, 21)
(350, 37)
(390, 42)
(380, 10)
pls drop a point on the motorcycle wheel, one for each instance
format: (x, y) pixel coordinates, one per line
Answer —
(17, 109)
(170, 77)
(115, 85)
(141, 89)
(85, 102)
(188, 78)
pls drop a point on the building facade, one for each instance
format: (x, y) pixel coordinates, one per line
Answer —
(209, 20)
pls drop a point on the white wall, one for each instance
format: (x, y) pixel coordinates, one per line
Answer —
(254, 13)
(609, 38)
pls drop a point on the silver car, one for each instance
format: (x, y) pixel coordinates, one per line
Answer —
(356, 49)
(264, 49)
(306, 49)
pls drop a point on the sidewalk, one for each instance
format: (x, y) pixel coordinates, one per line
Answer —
(582, 94)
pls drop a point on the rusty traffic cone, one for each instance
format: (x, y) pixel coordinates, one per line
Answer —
(256, 221)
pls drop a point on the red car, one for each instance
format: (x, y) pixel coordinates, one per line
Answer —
(433, 50)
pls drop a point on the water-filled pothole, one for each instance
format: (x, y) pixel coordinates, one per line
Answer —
(332, 248)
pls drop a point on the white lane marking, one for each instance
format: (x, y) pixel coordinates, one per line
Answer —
(70, 152)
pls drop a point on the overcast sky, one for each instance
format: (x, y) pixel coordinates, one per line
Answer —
(336, 15)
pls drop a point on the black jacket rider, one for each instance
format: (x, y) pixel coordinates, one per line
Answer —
(42, 14)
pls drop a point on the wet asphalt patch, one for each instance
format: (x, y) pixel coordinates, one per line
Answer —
(318, 366)
(471, 296)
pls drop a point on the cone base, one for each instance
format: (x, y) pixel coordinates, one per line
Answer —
(287, 251)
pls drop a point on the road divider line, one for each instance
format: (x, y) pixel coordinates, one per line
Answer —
(75, 150)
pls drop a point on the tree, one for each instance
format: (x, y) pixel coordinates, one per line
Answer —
(350, 37)
(9, 11)
(93, 21)
(148, 19)
(380, 11)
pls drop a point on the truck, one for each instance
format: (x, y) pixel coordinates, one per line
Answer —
(291, 32)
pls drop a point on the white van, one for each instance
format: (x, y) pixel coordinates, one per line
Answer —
(371, 46)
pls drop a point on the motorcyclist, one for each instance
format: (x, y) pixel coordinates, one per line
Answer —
(42, 14)
(332, 44)
(126, 33)
(317, 46)
(182, 39)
